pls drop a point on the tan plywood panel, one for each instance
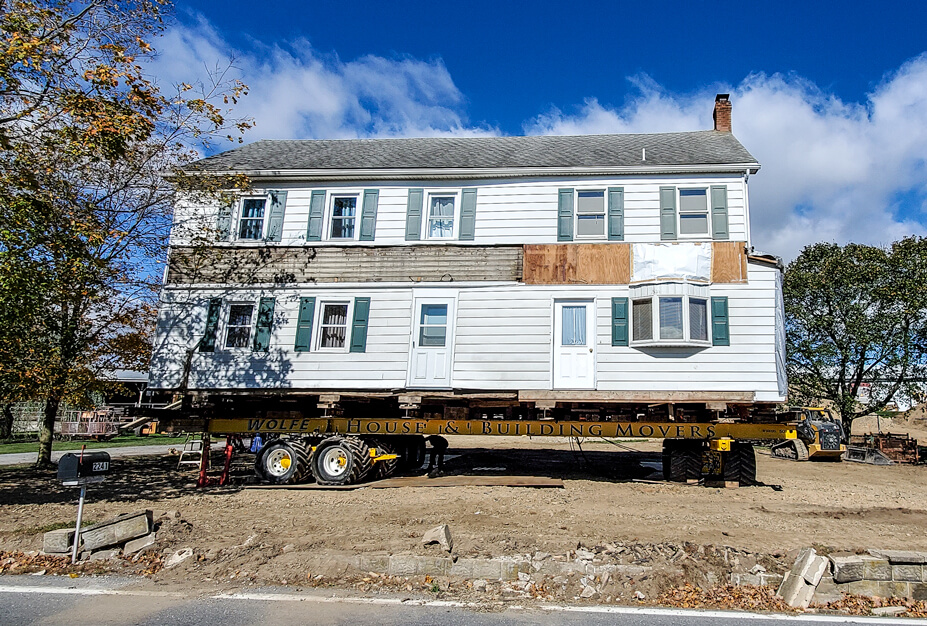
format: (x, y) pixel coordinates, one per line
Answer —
(728, 262)
(568, 264)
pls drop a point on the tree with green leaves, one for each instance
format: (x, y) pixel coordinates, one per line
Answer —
(86, 142)
(856, 320)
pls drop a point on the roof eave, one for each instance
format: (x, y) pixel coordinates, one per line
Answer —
(479, 173)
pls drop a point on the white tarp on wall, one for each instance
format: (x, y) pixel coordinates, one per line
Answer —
(655, 261)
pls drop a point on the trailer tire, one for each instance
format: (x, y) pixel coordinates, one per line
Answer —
(384, 469)
(341, 461)
(283, 462)
(682, 460)
(740, 464)
(412, 453)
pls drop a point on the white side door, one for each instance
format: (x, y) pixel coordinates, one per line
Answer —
(432, 342)
(574, 344)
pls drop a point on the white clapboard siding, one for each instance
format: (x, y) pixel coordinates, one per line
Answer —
(503, 342)
(515, 211)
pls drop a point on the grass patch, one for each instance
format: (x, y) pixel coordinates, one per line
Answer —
(12, 447)
(36, 530)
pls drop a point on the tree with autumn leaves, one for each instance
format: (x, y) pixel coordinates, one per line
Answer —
(87, 142)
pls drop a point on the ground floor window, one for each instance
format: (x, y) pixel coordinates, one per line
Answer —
(671, 319)
(238, 325)
(333, 326)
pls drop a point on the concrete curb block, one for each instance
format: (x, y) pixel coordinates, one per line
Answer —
(485, 569)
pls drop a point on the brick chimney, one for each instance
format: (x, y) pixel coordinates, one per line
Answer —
(722, 113)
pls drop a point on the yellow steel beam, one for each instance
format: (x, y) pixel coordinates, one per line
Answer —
(539, 428)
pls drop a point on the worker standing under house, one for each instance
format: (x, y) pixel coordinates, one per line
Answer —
(438, 448)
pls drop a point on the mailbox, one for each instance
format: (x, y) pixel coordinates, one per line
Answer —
(83, 468)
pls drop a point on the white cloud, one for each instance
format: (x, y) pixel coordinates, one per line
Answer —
(295, 92)
(832, 171)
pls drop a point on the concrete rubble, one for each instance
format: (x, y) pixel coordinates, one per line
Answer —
(127, 534)
(440, 535)
(879, 574)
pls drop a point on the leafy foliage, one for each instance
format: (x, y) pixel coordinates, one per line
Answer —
(86, 139)
(857, 315)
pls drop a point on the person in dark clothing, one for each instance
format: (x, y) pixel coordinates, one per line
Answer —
(438, 448)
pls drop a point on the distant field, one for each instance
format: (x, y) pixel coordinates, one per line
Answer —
(12, 447)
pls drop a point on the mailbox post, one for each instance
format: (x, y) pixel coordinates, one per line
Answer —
(79, 470)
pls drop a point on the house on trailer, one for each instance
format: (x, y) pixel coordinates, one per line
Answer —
(544, 272)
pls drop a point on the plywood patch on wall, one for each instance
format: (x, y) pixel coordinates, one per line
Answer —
(728, 262)
(586, 264)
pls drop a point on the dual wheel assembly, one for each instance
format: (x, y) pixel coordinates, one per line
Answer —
(337, 460)
(687, 460)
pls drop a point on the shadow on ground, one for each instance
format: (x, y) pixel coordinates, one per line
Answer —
(159, 478)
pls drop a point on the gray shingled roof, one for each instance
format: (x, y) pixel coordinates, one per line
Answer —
(706, 147)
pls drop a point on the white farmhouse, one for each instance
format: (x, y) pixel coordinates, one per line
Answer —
(518, 276)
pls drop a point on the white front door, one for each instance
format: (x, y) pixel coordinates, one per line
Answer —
(432, 340)
(574, 345)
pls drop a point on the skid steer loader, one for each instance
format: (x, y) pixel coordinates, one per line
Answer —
(820, 436)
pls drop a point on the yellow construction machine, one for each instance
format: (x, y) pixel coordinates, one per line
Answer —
(820, 436)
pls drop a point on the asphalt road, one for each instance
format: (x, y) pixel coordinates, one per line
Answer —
(21, 458)
(111, 600)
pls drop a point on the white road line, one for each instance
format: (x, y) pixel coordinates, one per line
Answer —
(616, 610)
(838, 619)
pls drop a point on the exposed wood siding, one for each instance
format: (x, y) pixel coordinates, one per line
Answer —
(274, 265)
(588, 264)
(728, 262)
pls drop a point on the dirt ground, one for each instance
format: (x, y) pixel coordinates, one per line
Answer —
(608, 499)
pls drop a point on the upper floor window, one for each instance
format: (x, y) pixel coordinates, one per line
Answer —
(238, 325)
(590, 214)
(251, 220)
(439, 223)
(343, 217)
(693, 213)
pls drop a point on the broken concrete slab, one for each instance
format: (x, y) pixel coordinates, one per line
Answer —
(847, 569)
(900, 556)
(810, 566)
(58, 541)
(797, 588)
(795, 591)
(889, 610)
(105, 555)
(826, 591)
(178, 557)
(440, 535)
(117, 530)
(141, 543)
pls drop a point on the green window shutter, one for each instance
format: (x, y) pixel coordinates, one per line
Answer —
(264, 324)
(414, 214)
(359, 325)
(619, 321)
(224, 221)
(719, 228)
(616, 214)
(467, 215)
(368, 225)
(275, 221)
(720, 328)
(208, 342)
(565, 215)
(304, 324)
(668, 213)
(316, 210)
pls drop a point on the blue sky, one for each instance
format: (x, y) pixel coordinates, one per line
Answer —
(831, 97)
